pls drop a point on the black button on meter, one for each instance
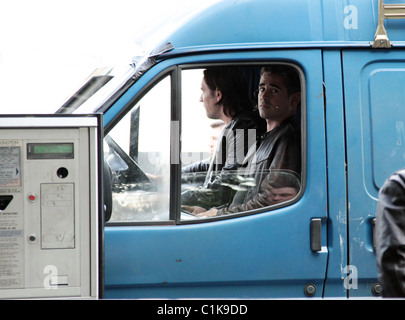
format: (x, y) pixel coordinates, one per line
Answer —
(4, 201)
(62, 172)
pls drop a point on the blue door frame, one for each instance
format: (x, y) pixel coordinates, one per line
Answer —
(262, 255)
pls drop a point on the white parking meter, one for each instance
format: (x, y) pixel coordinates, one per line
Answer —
(50, 206)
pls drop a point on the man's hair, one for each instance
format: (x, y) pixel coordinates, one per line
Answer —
(284, 179)
(232, 84)
(290, 75)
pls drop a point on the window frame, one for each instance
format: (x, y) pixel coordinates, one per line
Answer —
(175, 72)
(168, 72)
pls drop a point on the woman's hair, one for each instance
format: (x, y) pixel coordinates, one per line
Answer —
(232, 84)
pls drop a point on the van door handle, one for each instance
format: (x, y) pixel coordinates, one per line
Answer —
(373, 222)
(316, 234)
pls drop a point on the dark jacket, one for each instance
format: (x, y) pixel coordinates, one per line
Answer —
(277, 150)
(233, 144)
(390, 236)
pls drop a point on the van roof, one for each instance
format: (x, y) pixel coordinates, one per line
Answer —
(232, 24)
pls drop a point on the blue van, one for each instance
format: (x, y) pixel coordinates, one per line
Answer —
(350, 58)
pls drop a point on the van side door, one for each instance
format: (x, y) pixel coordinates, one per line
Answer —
(152, 250)
(374, 83)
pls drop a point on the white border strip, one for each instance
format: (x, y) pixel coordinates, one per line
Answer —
(39, 122)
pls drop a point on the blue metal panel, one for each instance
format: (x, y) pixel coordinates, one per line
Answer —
(294, 22)
(336, 159)
(387, 110)
(252, 22)
(372, 150)
(265, 251)
(262, 255)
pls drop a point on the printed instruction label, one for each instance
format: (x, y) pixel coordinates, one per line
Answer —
(10, 163)
(11, 250)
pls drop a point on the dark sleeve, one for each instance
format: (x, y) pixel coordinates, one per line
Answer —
(287, 156)
(236, 141)
(201, 166)
(390, 237)
(260, 200)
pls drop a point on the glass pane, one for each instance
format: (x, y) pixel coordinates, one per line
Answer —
(244, 152)
(138, 152)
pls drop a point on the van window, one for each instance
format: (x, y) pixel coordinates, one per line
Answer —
(228, 163)
(240, 167)
(137, 150)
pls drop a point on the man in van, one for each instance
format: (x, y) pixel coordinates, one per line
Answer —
(225, 96)
(279, 149)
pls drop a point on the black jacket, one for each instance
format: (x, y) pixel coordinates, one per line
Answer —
(390, 236)
(277, 150)
(233, 144)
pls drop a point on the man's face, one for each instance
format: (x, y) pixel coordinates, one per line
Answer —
(214, 138)
(279, 195)
(210, 99)
(273, 100)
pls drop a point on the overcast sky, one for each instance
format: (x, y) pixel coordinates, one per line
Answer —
(48, 47)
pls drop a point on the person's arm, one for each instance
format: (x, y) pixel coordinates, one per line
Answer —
(390, 237)
(200, 166)
(286, 156)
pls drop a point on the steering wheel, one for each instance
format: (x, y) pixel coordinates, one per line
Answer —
(133, 167)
